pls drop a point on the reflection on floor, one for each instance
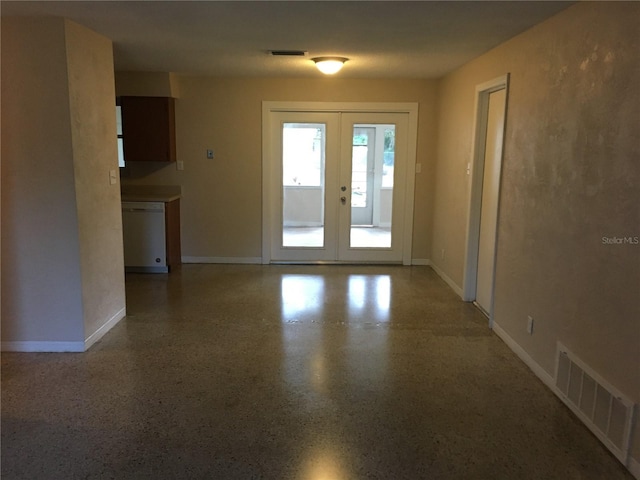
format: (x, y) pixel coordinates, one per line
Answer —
(361, 237)
(291, 372)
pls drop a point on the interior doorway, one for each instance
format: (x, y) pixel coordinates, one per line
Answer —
(491, 104)
(335, 183)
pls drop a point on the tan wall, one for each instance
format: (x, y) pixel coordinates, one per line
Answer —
(222, 198)
(571, 176)
(41, 284)
(93, 128)
(61, 229)
(146, 84)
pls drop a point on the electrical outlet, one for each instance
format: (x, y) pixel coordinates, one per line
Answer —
(530, 325)
(179, 165)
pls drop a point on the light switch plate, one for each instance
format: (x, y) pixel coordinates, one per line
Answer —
(113, 178)
(179, 165)
(209, 154)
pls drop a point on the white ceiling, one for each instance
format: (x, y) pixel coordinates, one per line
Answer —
(415, 39)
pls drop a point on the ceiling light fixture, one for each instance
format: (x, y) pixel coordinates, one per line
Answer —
(329, 65)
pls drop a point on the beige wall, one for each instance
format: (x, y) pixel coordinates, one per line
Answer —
(222, 198)
(57, 147)
(571, 175)
(92, 92)
(41, 283)
(147, 84)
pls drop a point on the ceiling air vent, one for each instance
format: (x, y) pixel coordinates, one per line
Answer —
(288, 53)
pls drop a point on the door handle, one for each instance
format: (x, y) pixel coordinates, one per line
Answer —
(343, 200)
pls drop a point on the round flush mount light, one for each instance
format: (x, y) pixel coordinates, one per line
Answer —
(329, 65)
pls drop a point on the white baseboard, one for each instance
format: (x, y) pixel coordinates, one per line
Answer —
(524, 356)
(98, 334)
(634, 467)
(420, 261)
(61, 347)
(454, 286)
(237, 260)
(56, 347)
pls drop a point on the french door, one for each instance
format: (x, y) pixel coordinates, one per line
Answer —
(335, 186)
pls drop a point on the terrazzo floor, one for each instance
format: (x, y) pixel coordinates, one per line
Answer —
(291, 372)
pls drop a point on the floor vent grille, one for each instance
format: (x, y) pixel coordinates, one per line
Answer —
(606, 412)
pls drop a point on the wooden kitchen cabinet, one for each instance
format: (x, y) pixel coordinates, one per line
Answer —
(148, 129)
(172, 233)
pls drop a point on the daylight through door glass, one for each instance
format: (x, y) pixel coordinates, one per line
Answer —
(303, 184)
(372, 168)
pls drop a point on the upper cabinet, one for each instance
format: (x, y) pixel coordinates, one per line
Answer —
(148, 129)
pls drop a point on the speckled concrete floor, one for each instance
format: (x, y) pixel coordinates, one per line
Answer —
(291, 372)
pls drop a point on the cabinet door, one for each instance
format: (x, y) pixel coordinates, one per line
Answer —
(172, 229)
(148, 129)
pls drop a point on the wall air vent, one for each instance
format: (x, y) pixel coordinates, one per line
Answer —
(603, 409)
(288, 53)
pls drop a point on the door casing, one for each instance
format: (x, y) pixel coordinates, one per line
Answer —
(483, 91)
(268, 107)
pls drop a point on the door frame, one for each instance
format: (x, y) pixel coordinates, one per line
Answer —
(268, 107)
(483, 91)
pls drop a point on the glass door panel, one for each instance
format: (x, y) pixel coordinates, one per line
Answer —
(303, 184)
(305, 150)
(362, 173)
(373, 163)
(372, 160)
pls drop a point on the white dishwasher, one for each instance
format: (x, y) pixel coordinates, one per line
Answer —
(145, 245)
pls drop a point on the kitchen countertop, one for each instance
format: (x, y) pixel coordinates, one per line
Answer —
(150, 193)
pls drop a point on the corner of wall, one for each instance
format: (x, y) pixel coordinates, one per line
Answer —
(146, 84)
(454, 286)
(92, 106)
